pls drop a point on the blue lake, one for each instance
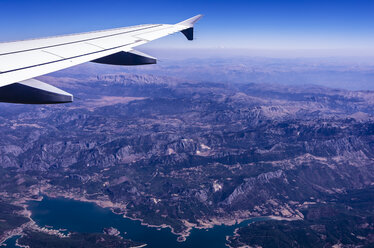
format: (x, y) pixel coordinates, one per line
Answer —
(87, 217)
(11, 243)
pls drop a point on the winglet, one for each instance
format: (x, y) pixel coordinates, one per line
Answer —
(189, 23)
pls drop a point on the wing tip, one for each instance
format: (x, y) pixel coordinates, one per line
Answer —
(191, 21)
(188, 31)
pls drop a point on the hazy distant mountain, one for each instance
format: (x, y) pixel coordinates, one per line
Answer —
(352, 73)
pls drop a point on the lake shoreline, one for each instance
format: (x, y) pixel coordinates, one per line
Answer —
(106, 204)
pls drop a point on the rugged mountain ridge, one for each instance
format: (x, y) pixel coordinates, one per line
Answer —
(191, 154)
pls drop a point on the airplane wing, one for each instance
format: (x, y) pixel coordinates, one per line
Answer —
(21, 61)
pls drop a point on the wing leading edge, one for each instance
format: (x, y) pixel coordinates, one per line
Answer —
(21, 61)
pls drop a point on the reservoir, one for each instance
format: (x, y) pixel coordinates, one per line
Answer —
(78, 216)
(11, 242)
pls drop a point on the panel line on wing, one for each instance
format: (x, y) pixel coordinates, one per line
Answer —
(68, 43)
(94, 45)
(56, 61)
(53, 54)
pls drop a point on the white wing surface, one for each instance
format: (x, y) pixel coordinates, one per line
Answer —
(21, 61)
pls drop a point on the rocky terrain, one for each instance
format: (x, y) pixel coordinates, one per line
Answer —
(193, 154)
(345, 220)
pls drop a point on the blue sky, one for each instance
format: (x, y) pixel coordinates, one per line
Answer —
(246, 24)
